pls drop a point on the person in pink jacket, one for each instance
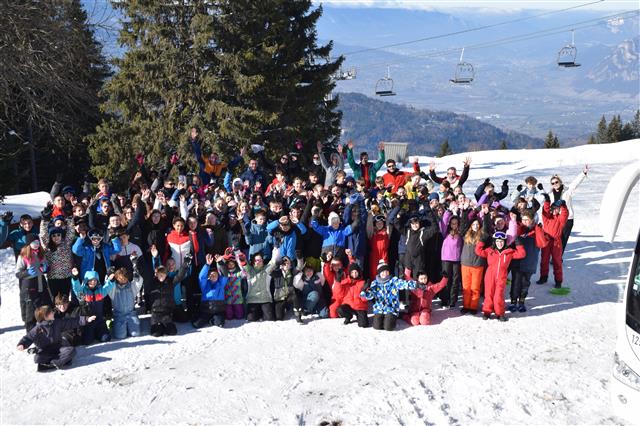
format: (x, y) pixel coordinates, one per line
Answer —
(450, 255)
(421, 299)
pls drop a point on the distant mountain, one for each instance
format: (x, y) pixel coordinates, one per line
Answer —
(618, 68)
(368, 121)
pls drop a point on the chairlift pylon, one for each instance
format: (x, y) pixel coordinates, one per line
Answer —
(384, 86)
(567, 55)
(465, 73)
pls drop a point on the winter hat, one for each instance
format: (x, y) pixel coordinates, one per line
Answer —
(349, 179)
(355, 267)
(55, 230)
(333, 216)
(558, 203)
(91, 275)
(237, 181)
(382, 266)
(434, 196)
(30, 238)
(68, 190)
(257, 148)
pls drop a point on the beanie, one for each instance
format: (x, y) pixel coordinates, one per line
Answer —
(382, 266)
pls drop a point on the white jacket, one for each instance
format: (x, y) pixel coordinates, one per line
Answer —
(568, 191)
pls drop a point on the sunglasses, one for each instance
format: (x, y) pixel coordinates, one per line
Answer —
(555, 182)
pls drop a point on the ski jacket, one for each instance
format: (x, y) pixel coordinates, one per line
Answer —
(180, 244)
(554, 224)
(282, 284)
(529, 240)
(211, 291)
(498, 261)
(259, 282)
(85, 249)
(330, 170)
(339, 287)
(420, 299)
(60, 260)
(123, 296)
(47, 335)
(307, 285)
(397, 179)
(332, 237)
(385, 294)
(93, 299)
(366, 171)
(457, 180)
(289, 240)
(256, 237)
(568, 192)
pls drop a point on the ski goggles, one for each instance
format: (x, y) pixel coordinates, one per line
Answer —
(499, 235)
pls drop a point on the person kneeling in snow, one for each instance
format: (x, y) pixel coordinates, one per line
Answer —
(212, 284)
(52, 352)
(162, 295)
(352, 303)
(123, 299)
(385, 291)
(91, 296)
(499, 256)
(422, 297)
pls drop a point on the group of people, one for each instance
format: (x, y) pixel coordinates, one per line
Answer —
(296, 237)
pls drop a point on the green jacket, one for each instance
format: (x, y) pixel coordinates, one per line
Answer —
(373, 168)
(259, 282)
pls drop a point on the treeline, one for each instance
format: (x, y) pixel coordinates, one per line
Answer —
(242, 71)
(615, 131)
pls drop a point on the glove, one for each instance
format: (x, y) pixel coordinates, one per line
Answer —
(111, 270)
(547, 198)
(133, 257)
(7, 217)
(505, 182)
(486, 181)
(47, 212)
(540, 187)
(519, 188)
(187, 259)
(32, 271)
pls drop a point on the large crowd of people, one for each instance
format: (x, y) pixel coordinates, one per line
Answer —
(261, 240)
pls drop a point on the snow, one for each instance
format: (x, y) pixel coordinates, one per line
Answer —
(31, 204)
(549, 366)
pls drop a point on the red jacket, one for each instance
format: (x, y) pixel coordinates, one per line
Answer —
(352, 296)
(553, 224)
(420, 300)
(498, 261)
(397, 179)
(179, 246)
(339, 289)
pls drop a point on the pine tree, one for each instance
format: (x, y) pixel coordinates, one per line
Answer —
(503, 144)
(592, 139)
(551, 141)
(626, 132)
(635, 125)
(445, 149)
(602, 135)
(614, 130)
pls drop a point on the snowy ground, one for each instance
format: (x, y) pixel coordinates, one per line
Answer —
(548, 366)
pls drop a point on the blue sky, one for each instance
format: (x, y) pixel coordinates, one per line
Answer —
(484, 5)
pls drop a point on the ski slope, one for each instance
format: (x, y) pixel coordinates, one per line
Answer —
(549, 366)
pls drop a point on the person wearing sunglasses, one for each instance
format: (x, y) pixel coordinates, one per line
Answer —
(499, 257)
(561, 192)
(395, 178)
(95, 252)
(57, 242)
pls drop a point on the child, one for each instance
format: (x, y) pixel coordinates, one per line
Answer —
(162, 294)
(212, 309)
(310, 284)
(51, 350)
(532, 239)
(64, 309)
(123, 299)
(259, 300)
(233, 300)
(91, 296)
(499, 256)
(352, 303)
(384, 290)
(421, 298)
(180, 310)
(30, 270)
(284, 293)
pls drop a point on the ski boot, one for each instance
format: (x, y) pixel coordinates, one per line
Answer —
(522, 308)
(543, 279)
(486, 316)
(558, 284)
(45, 367)
(502, 318)
(512, 307)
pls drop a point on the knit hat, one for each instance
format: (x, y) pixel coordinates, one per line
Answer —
(68, 190)
(382, 266)
(355, 267)
(55, 230)
(333, 216)
(30, 238)
(434, 196)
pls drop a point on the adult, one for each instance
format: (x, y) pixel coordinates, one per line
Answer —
(452, 174)
(210, 167)
(394, 178)
(332, 168)
(365, 169)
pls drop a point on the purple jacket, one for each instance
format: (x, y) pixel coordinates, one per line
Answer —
(451, 246)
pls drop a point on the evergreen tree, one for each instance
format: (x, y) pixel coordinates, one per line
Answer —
(635, 124)
(52, 71)
(551, 141)
(627, 132)
(592, 139)
(602, 135)
(445, 149)
(503, 144)
(614, 130)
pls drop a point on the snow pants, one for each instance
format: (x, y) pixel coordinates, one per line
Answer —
(493, 296)
(57, 356)
(234, 311)
(96, 330)
(519, 286)
(384, 321)
(554, 251)
(347, 312)
(257, 311)
(60, 286)
(30, 299)
(211, 312)
(472, 277)
(125, 325)
(449, 294)
(293, 299)
(423, 317)
(566, 232)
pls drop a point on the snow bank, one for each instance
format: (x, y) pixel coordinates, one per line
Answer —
(549, 366)
(31, 204)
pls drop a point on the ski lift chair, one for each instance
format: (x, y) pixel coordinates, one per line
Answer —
(384, 86)
(465, 72)
(567, 55)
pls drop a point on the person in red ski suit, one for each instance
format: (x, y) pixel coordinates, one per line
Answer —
(337, 279)
(378, 242)
(352, 303)
(554, 218)
(499, 256)
(421, 298)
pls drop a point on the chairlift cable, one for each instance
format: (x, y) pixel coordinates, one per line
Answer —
(483, 27)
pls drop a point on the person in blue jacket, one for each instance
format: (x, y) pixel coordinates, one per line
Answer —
(333, 235)
(285, 235)
(91, 296)
(256, 235)
(95, 252)
(212, 284)
(357, 241)
(18, 237)
(384, 290)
